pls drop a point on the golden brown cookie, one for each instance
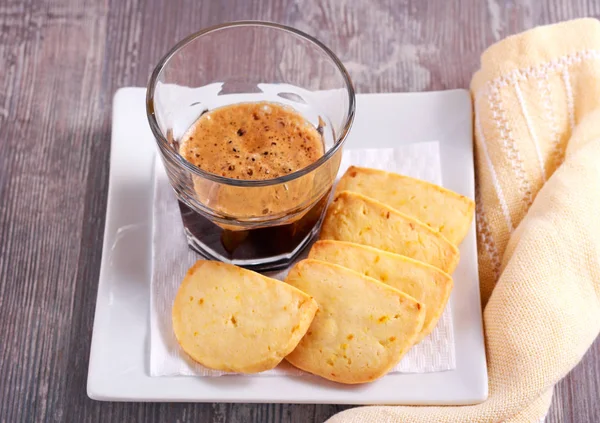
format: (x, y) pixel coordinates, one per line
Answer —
(362, 329)
(443, 210)
(356, 218)
(232, 319)
(421, 281)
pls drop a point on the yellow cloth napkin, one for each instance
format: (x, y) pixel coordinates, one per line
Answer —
(537, 132)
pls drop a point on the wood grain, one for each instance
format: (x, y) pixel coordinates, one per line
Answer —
(60, 63)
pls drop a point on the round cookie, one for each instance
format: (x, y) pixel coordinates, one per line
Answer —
(362, 328)
(231, 319)
(439, 208)
(423, 282)
(353, 217)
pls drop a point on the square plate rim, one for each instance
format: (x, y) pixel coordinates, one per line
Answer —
(473, 387)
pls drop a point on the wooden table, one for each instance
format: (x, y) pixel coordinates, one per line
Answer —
(60, 63)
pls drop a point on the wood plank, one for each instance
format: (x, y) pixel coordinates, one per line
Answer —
(53, 53)
(61, 62)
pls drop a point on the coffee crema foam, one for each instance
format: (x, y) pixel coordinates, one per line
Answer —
(252, 141)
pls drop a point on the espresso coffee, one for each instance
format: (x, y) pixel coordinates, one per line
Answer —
(253, 141)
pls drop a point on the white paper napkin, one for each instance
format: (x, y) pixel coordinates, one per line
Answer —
(171, 258)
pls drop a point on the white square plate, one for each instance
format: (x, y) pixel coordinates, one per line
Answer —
(119, 358)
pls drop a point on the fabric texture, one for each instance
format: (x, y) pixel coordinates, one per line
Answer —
(537, 134)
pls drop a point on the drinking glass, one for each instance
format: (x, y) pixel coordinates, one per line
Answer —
(258, 224)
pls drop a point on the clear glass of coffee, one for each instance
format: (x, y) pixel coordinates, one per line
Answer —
(250, 119)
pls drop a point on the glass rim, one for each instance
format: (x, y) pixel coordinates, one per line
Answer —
(164, 144)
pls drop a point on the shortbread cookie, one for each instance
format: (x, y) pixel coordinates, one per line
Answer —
(425, 283)
(443, 210)
(231, 319)
(362, 329)
(355, 218)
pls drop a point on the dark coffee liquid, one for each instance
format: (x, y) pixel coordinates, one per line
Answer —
(252, 141)
(255, 244)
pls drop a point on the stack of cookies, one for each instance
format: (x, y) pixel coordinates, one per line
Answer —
(374, 285)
